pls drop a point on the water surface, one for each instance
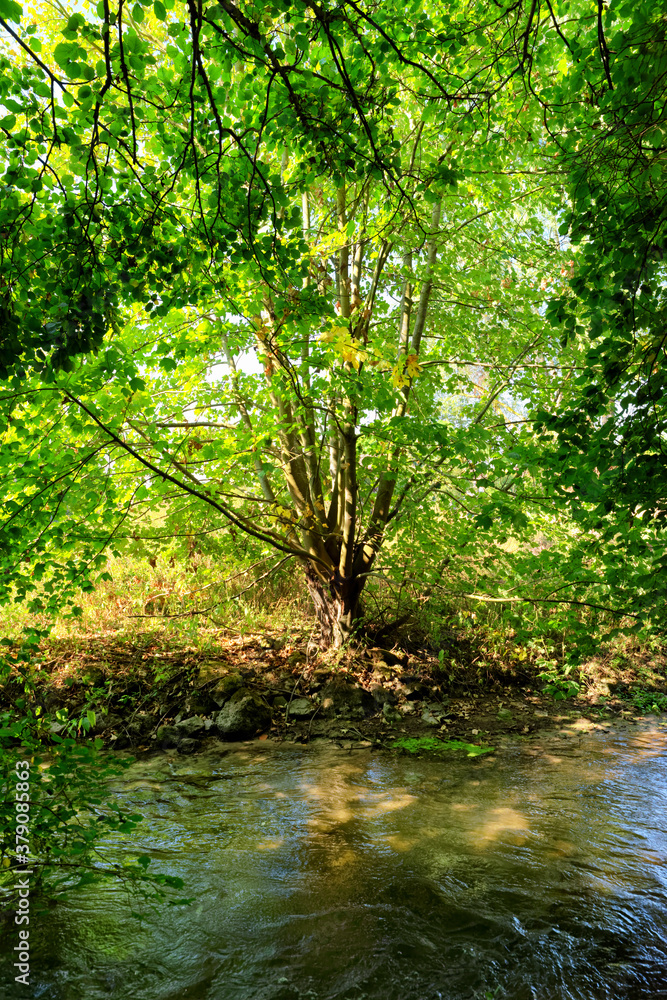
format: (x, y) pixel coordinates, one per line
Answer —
(536, 874)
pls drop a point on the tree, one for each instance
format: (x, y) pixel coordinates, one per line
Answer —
(606, 116)
(358, 198)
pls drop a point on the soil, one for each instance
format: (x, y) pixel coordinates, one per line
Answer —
(136, 688)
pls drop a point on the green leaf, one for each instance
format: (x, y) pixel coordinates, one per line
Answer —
(11, 10)
(64, 52)
(75, 22)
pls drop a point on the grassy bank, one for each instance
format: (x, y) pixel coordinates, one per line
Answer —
(151, 641)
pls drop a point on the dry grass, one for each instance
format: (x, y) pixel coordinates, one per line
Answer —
(189, 605)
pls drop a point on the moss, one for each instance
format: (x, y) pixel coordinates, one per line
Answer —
(431, 744)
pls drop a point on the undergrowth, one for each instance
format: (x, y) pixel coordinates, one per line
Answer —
(199, 605)
(188, 602)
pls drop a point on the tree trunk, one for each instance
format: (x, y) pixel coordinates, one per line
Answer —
(336, 607)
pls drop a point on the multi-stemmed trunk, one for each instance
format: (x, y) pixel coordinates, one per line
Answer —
(336, 607)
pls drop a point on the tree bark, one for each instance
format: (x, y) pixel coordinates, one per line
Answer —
(336, 606)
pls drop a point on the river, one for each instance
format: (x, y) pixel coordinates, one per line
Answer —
(537, 873)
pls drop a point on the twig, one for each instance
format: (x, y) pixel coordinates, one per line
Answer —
(299, 679)
(311, 721)
(216, 604)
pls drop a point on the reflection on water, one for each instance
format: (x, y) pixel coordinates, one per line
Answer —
(539, 874)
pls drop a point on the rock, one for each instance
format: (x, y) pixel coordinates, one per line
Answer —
(94, 676)
(143, 720)
(187, 745)
(200, 703)
(300, 708)
(110, 721)
(429, 718)
(279, 702)
(392, 657)
(192, 728)
(168, 737)
(213, 667)
(390, 714)
(382, 695)
(244, 715)
(226, 687)
(504, 715)
(319, 678)
(297, 657)
(139, 727)
(339, 697)
(412, 687)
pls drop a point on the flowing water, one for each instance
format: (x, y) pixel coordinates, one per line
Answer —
(540, 872)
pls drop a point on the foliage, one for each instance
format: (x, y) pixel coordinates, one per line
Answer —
(69, 821)
(558, 683)
(650, 701)
(293, 274)
(606, 448)
(337, 270)
(70, 813)
(376, 289)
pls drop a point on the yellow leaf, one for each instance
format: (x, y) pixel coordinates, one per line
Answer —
(412, 366)
(405, 370)
(334, 333)
(398, 379)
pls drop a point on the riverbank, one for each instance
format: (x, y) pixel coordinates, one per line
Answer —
(144, 694)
